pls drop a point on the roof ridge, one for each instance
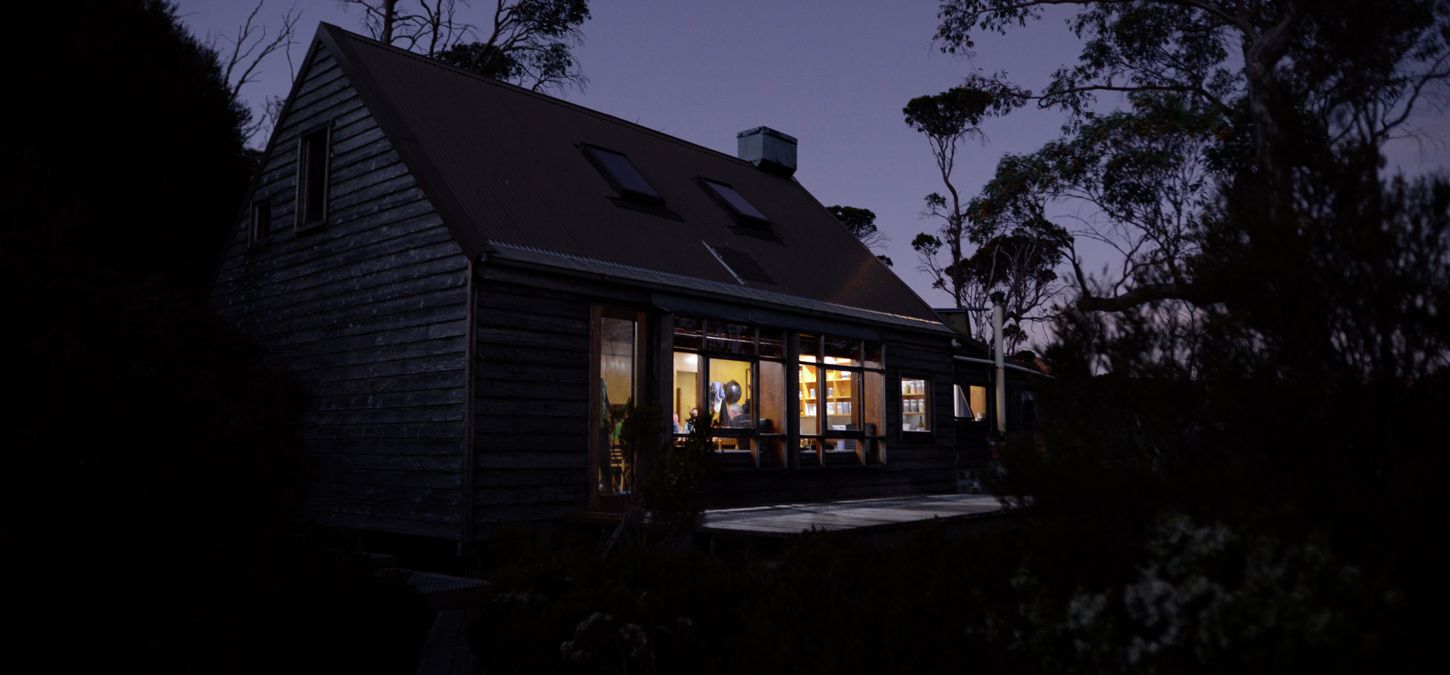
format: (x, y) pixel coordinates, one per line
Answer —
(343, 32)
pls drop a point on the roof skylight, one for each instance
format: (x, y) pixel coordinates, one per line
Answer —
(622, 174)
(736, 202)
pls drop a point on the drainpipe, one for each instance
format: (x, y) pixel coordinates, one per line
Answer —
(466, 522)
(998, 316)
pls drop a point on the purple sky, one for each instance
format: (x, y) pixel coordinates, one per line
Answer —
(833, 73)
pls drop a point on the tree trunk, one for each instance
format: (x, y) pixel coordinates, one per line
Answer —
(389, 11)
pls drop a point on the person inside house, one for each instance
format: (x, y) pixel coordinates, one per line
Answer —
(742, 421)
(692, 421)
(732, 413)
(678, 429)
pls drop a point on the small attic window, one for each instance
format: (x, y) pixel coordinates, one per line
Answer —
(741, 208)
(622, 174)
(261, 221)
(312, 168)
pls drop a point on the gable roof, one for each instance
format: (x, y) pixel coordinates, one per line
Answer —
(506, 169)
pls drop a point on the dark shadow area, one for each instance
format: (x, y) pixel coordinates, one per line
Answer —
(155, 459)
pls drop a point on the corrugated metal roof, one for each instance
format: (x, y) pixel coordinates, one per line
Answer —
(532, 256)
(505, 167)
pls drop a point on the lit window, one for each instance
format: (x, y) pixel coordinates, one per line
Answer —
(841, 401)
(971, 405)
(730, 387)
(622, 174)
(312, 179)
(729, 376)
(687, 408)
(915, 405)
(733, 200)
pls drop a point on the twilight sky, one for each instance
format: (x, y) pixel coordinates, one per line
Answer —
(833, 73)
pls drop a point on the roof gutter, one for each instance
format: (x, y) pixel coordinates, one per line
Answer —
(527, 258)
(1008, 366)
(470, 347)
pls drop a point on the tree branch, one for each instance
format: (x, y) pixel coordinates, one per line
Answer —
(1143, 294)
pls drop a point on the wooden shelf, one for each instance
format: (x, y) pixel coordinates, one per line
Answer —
(915, 406)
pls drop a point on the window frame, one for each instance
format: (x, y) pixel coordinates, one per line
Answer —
(597, 499)
(865, 442)
(757, 451)
(713, 188)
(256, 233)
(302, 202)
(928, 399)
(656, 200)
(965, 390)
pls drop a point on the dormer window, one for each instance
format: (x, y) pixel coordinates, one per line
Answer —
(741, 208)
(623, 176)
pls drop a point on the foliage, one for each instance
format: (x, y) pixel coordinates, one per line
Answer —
(91, 163)
(829, 605)
(527, 42)
(1241, 424)
(1257, 99)
(1137, 182)
(861, 223)
(1029, 595)
(155, 460)
(671, 494)
(1016, 259)
(946, 119)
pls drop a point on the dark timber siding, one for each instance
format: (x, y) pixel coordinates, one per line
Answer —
(532, 414)
(531, 419)
(368, 312)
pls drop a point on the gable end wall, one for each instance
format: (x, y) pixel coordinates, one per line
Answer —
(368, 313)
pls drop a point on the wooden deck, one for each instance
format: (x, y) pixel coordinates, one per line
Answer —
(782, 520)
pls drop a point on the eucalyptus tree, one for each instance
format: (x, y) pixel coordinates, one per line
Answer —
(1272, 356)
(1249, 100)
(528, 42)
(861, 223)
(1018, 259)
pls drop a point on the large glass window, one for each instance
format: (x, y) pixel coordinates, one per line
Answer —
(730, 375)
(616, 357)
(687, 409)
(771, 393)
(810, 388)
(734, 376)
(843, 406)
(731, 383)
(841, 400)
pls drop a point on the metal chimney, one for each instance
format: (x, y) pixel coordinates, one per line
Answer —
(767, 149)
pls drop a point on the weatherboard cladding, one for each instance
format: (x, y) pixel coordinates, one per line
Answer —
(504, 164)
(366, 313)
